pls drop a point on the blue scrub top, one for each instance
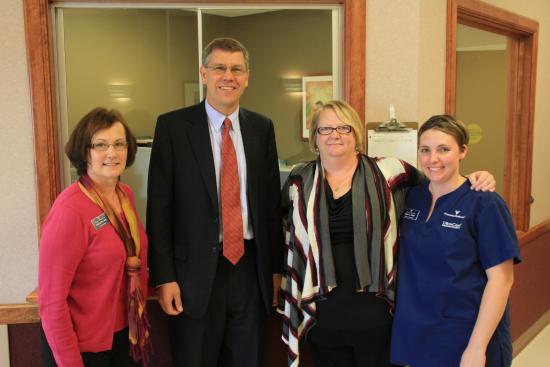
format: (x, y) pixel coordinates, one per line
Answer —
(441, 275)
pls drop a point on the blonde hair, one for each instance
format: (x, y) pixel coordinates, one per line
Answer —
(347, 115)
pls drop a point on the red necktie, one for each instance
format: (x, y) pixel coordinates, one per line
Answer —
(232, 220)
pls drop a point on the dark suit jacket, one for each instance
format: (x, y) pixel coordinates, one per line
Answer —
(182, 206)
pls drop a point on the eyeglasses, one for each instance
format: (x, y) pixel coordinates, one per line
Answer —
(221, 69)
(327, 130)
(103, 146)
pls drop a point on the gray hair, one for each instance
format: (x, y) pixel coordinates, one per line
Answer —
(225, 44)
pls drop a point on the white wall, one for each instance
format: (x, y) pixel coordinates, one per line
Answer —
(4, 349)
(405, 59)
(18, 227)
(392, 41)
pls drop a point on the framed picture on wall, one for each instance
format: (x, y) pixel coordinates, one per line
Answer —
(316, 91)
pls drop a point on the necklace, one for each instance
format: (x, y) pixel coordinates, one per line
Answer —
(337, 188)
(342, 184)
(340, 180)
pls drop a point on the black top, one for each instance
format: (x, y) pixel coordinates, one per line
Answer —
(345, 308)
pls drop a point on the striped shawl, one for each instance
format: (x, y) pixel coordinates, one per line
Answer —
(379, 188)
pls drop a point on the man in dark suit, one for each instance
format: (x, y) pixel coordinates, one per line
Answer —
(217, 274)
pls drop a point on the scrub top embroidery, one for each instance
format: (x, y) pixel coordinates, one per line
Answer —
(441, 275)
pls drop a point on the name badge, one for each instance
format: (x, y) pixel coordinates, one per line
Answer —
(100, 221)
(451, 225)
(411, 214)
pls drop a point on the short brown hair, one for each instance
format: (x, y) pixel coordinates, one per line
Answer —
(77, 148)
(347, 115)
(449, 125)
(225, 44)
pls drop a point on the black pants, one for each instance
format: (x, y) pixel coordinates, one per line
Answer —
(231, 333)
(118, 356)
(350, 348)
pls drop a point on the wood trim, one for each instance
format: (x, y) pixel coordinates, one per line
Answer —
(520, 343)
(19, 314)
(524, 140)
(354, 55)
(528, 298)
(512, 120)
(42, 78)
(493, 19)
(198, 2)
(32, 298)
(525, 238)
(450, 58)
(520, 95)
(521, 122)
(39, 59)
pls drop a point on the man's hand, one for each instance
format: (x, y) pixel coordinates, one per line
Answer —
(170, 298)
(482, 181)
(276, 288)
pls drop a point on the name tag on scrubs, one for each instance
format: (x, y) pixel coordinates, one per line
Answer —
(100, 221)
(451, 225)
(411, 214)
(454, 217)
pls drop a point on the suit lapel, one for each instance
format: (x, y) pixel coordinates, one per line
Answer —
(251, 144)
(199, 137)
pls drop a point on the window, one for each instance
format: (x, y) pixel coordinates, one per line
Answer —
(350, 46)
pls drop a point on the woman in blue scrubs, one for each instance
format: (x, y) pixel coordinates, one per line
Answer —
(456, 256)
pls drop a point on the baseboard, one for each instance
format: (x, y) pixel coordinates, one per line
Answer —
(529, 334)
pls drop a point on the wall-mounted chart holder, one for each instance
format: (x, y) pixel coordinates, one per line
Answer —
(393, 138)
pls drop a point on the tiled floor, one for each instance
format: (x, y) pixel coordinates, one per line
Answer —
(537, 353)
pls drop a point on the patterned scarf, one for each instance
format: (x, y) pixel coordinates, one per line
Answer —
(138, 323)
(379, 187)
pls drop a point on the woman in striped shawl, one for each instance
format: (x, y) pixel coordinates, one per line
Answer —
(341, 217)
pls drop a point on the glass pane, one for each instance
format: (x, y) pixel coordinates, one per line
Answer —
(145, 62)
(142, 62)
(284, 46)
(481, 98)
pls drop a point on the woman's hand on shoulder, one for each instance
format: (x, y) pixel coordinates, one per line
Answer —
(482, 181)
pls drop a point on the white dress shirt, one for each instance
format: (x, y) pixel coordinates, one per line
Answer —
(215, 125)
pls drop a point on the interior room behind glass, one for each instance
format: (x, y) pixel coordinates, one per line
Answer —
(145, 62)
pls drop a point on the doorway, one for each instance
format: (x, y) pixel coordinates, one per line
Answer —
(519, 93)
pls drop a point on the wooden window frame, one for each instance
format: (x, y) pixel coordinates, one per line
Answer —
(522, 61)
(40, 53)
